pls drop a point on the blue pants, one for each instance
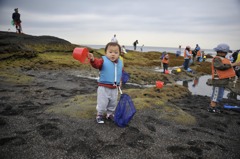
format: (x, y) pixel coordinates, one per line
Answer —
(217, 94)
(186, 64)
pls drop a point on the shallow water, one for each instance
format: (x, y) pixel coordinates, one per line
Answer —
(201, 88)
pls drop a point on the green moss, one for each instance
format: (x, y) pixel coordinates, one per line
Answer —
(158, 98)
(175, 114)
(142, 103)
(15, 77)
(138, 65)
(82, 106)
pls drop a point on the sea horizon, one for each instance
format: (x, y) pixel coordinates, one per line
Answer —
(154, 48)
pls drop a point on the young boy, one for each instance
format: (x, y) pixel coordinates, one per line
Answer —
(221, 70)
(110, 67)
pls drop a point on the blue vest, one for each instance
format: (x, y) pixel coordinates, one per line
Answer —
(107, 73)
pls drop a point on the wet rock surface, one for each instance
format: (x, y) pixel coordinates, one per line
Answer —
(27, 131)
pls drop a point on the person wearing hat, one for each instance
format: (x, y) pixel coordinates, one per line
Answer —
(221, 70)
(17, 21)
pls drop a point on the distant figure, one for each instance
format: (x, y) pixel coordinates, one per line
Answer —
(135, 44)
(123, 52)
(221, 70)
(165, 62)
(114, 39)
(142, 48)
(17, 21)
(178, 53)
(194, 52)
(161, 58)
(124, 49)
(187, 57)
(199, 55)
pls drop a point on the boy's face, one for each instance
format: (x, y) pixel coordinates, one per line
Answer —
(222, 54)
(112, 53)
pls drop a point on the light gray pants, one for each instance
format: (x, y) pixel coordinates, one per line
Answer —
(106, 100)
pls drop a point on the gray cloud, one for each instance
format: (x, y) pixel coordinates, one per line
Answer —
(208, 22)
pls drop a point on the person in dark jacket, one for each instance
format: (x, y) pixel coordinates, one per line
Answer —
(135, 45)
(17, 21)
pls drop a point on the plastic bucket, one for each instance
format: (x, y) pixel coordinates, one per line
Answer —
(166, 72)
(80, 54)
(159, 84)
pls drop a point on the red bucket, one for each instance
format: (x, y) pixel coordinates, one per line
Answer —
(80, 54)
(159, 84)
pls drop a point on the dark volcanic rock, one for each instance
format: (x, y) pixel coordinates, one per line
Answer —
(23, 45)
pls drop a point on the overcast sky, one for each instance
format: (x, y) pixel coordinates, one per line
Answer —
(162, 23)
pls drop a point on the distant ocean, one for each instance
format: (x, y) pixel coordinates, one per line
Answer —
(152, 48)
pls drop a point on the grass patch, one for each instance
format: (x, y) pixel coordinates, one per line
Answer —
(175, 114)
(15, 77)
(81, 106)
(84, 106)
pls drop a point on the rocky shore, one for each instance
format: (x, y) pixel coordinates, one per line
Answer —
(47, 110)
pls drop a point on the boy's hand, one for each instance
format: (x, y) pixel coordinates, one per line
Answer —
(90, 56)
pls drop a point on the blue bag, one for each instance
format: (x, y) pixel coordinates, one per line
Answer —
(125, 111)
(125, 77)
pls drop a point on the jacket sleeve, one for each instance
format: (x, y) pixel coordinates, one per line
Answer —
(217, 63)
(97, 63)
